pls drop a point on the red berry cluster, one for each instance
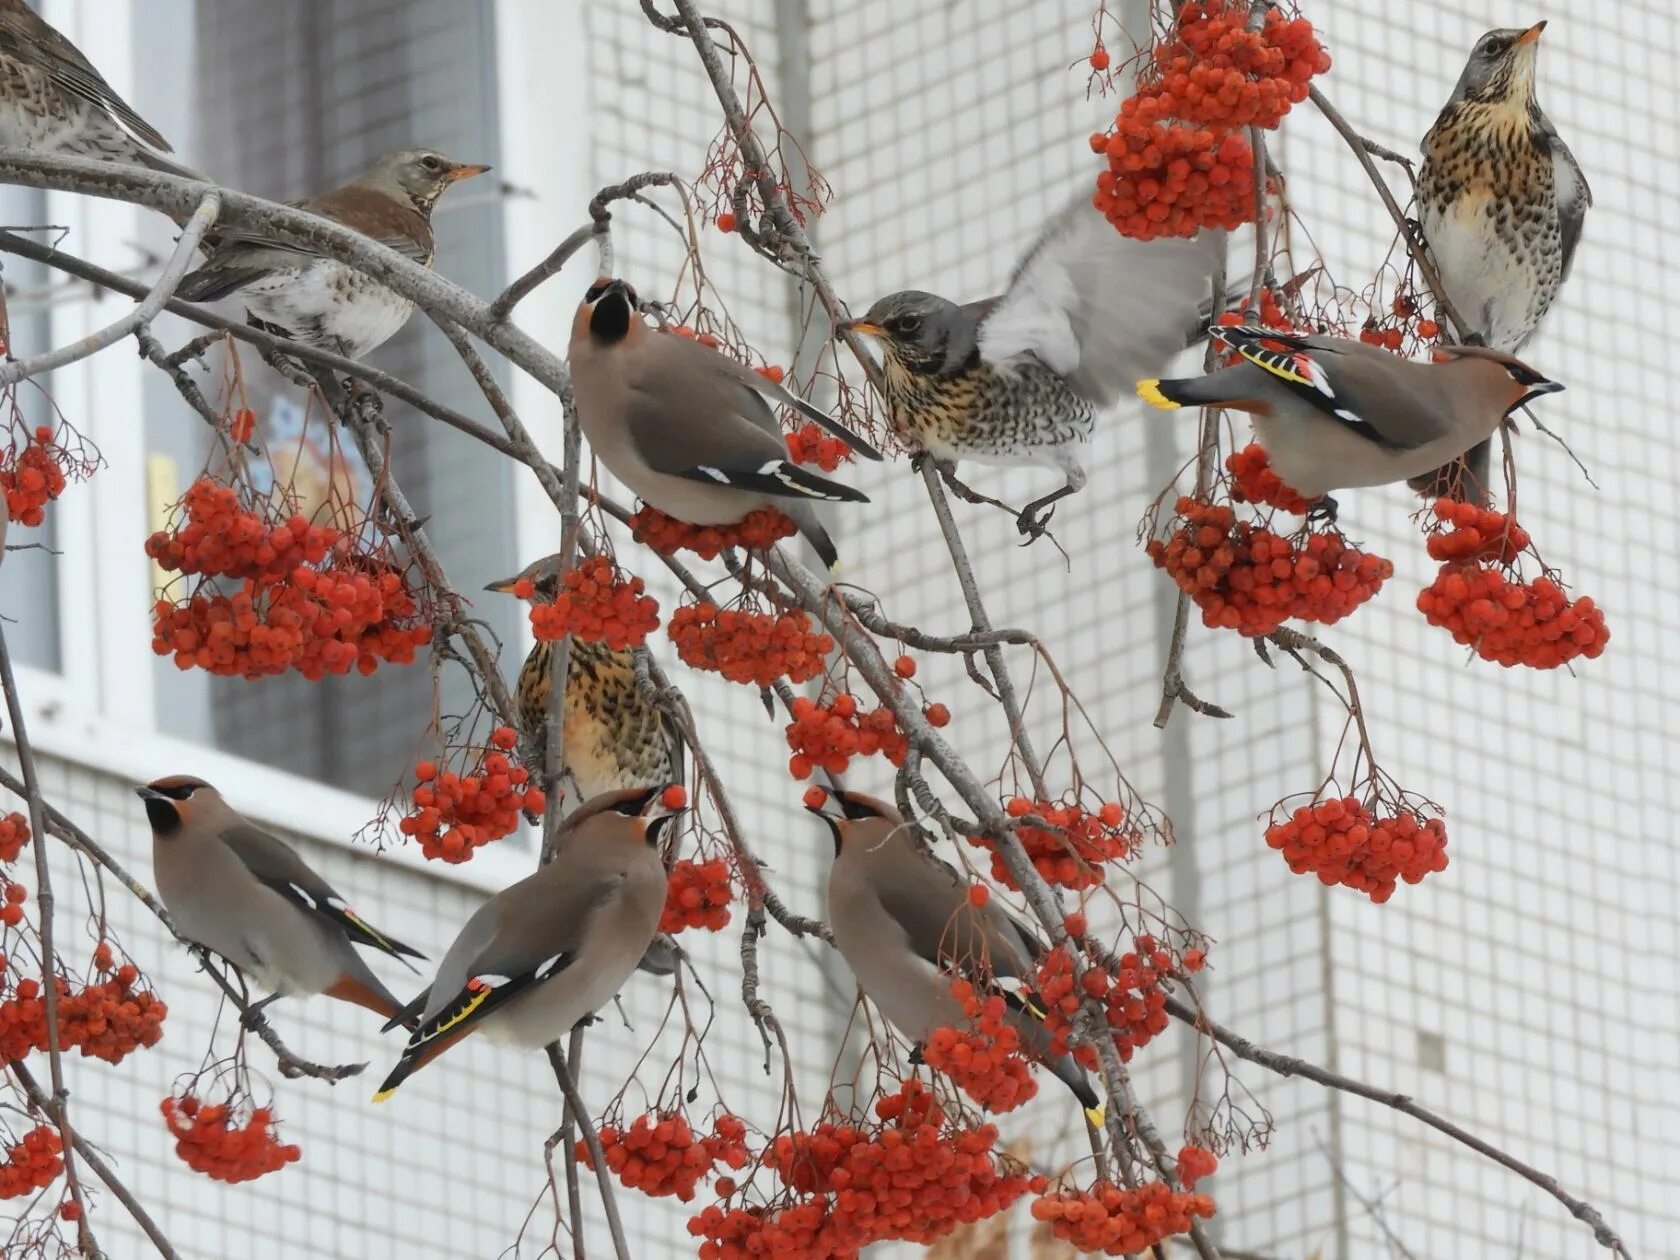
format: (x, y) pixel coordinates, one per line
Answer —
(14, 834)
(1194, 1163)
(697, 895)
(456, 813)
(812, 444)
(208, 1139)
(33, 477)
(1178, 158)
(1245, 578)
(107, 1021)
(746, 646)
(661, 1154)
(911, 1177)
(1253, 481)
(1469, 532)
(984, 1058)
(353, 614)
(1343, 841)
(758, 530)
(32, 1162)
(12, 897)
(1133, 1002)
(1120, 1220)
(1074, 855)
(828, 736)
(1511, 622)
(596, 602)
(221, 538)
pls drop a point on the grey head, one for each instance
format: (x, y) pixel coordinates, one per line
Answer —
(923, 332)
(543, 574)
(421, 175)
(1500, 68)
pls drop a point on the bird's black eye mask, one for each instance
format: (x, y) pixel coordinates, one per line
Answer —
(177, 792)
(855, 810)
(633, 806)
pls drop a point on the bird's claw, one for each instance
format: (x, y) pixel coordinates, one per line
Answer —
(1033, 525)
(916, 1059)
(1322, 511)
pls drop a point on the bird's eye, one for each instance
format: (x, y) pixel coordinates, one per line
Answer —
(910, 325)
(430, 163)
(1493, 48)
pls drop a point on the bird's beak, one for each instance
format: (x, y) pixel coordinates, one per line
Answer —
(863, 327)
(149, 794)
(1545, 387)
(457, 174)
(502, 586)
(1531, 35)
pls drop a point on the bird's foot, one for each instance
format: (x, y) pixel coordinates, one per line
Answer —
(587, 1021)
(253, 1016)
(1322, 511)
(1033, 522)
(916, 1059)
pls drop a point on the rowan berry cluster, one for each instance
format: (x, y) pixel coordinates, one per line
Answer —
(107, 1020)
(355, 613)
(812, 444)
(1245, 578)
(14, 834)
(697, 895)
(1253, 481)
(1513, 622)
(596, 601)
(219, 537)
(758, 530)
(1133, 1003)
(1072, 856)
(747, 646)
(12, 897)
(1178, 157)
(454, 814)
(31, 1162)
(1120, 1220)
(661, 1154)
(911, 1176)
(827, 736)
(984, 1057)
(1194, 1163)
(209, 1139)
(1467, 531)
(1344, 841)
(33, 477)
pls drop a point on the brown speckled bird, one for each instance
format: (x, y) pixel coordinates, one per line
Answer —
(614, 737)
(313, 299)
(52, 100)
(1501, 200)
(1021, 378)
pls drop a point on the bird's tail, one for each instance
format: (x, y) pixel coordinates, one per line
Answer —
(1189, 391)
(811, 529)
(157, 162)
(1466, 479)
(360, 987)
(1069, 1073)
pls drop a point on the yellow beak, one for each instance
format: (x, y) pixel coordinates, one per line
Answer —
(863, 327)
(459, 173)
(1531, 34)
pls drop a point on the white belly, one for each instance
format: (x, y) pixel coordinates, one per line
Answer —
(329, 305)
(1483, 278)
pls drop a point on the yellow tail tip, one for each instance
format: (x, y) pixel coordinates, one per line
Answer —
(383, 1094)
(1096, 1114)
(1150, 392)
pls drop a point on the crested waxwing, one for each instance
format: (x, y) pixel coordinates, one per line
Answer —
(1021, 378)
(1334, 412)
(1501, 201)
(317, 300)
(690, 430)
(246, 895)
(902, 920)
(53, 100)
(558, 945)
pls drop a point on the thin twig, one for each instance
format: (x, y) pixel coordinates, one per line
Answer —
(591, 1140)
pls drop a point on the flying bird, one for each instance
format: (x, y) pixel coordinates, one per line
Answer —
(1333, 412)
(313, 299)
(53, 100)
(1501, 201)
(1021, 378)
(246, 895)
(555, 947)
(902, 920)
(690, 430)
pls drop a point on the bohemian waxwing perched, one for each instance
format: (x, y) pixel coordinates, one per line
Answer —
(1333, 412)
(688, 429)
(556, 946)
(1021, 378)
(246, 895)
(903, 922)
(1501, 201)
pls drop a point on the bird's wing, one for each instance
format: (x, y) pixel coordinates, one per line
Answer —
(929, 900)
(1572, 191)
(1100, 309)
(32, 40)
(689, 419)
(1334, 376)
(277, 865)
(248, 254)
(521, 938)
